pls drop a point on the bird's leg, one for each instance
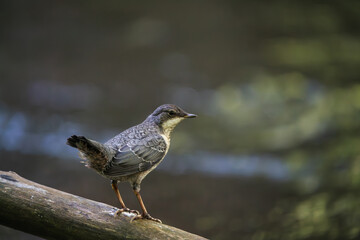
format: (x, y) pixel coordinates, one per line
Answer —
(145, 214)
(124, 208)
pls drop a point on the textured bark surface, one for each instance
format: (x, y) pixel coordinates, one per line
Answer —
(53, 214)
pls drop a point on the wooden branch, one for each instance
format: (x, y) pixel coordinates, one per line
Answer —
(53, 214)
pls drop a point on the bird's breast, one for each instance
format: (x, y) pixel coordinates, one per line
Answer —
(167, 141)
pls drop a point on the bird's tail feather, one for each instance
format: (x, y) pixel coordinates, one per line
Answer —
(94, 152)
(83, 144)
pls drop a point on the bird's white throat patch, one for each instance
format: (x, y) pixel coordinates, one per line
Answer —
(170, 124)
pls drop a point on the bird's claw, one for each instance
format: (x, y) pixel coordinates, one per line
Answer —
(145, 216)
(121, 210)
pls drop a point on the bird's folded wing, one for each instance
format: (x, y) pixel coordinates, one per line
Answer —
(137, 155)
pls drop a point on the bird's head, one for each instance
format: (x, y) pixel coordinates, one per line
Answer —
(167, 116)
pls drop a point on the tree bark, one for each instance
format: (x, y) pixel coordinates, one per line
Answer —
(53, 214)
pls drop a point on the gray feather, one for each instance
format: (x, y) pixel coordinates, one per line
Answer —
(137, 155)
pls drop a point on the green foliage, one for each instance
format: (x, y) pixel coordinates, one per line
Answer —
(315, 128)
(317, 134)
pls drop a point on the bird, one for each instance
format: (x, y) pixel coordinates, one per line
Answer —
(132, 154)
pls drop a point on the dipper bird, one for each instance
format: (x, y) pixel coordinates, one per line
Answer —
(134, 153)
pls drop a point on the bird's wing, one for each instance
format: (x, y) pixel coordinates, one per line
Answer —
(137, 155)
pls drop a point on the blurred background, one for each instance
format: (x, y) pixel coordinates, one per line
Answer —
(275, 151)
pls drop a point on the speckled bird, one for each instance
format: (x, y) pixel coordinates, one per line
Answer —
(134, 153)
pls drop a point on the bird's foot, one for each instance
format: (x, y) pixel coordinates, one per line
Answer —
(121, 210)
(146, 216)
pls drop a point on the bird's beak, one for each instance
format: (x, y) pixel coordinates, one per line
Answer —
(190, 115)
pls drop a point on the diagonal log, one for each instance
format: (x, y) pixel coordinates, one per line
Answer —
(53, 214)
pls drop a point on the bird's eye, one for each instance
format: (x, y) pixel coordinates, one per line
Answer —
(171, 113)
